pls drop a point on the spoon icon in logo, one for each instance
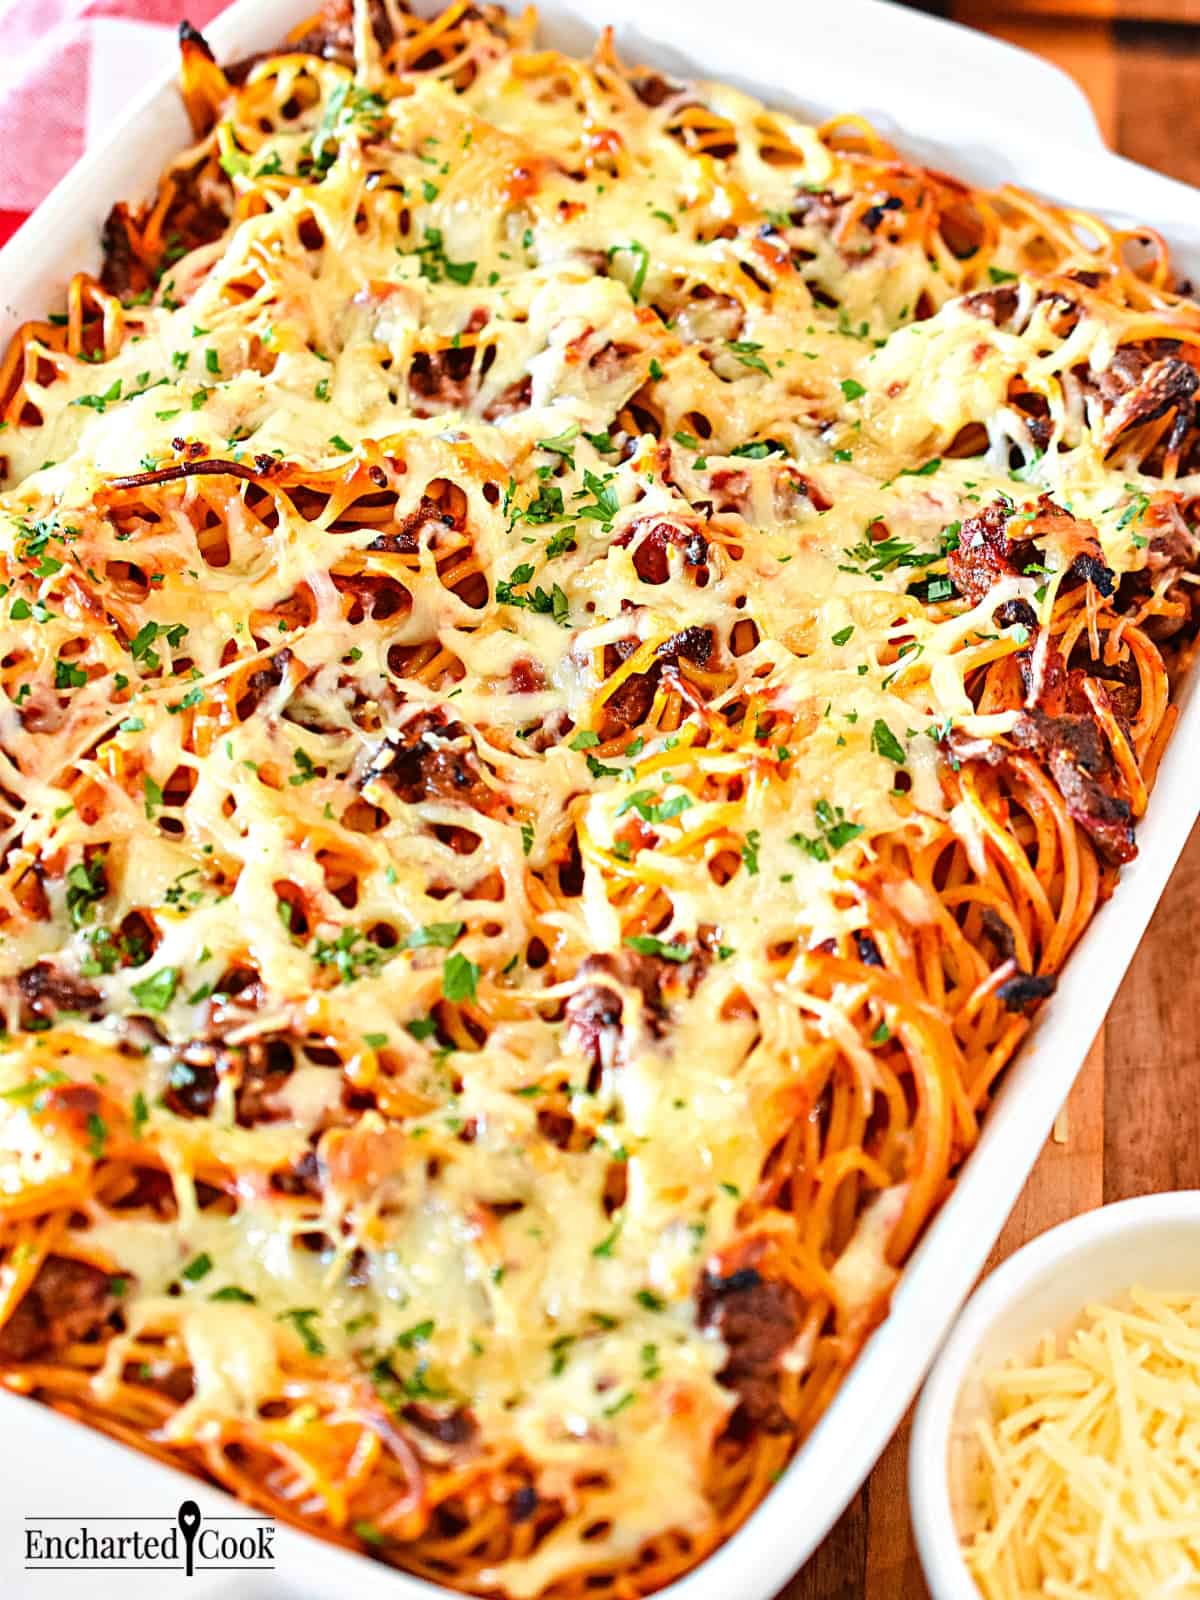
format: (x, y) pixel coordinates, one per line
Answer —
(188, 1518)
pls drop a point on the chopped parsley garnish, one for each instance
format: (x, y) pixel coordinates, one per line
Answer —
(460, 978)
(885, 743)
(1133, 513)
(305, 771)
(301, 1319)
(420, 1333)
(100, 402)
(562, 442)
(605, 1247)
(352, 953)
(757, 449)
(834, 832)
(140, 645)
(642, 257)
(440, 935)
(156, 992)
(852, 389)
(436, 264)
(747, 353)
(35, 1088)
(86, 885)
(199, 1267)
(650, 810)
(604, 505)
(647, 945)
(554, 604)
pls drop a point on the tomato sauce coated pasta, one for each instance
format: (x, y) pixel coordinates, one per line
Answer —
(577, 654)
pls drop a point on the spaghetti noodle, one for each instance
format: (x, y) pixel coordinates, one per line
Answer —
(577, 655)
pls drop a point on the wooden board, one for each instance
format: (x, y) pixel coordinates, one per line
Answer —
(1130, 1126)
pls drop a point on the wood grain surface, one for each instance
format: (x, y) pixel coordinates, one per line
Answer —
(1130, 1126)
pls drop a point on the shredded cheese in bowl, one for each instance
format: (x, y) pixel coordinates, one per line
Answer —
(1087, 1472)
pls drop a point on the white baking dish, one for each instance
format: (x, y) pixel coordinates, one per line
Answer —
(963, 103)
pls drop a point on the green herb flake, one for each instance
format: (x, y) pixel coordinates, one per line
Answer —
(156, 992)
(460, 978)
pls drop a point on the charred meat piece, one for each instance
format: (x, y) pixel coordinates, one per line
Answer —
(1074, 750)
(820, 207)
(868, 950)
(652, 89)
(447, 377)
(262, 680)
(629, 706)
(1143, 383)
(1015, 613)
(996, 305)
(68, 1301)
(431, 760)
(757, 1318)
(46, 990)
(986, 553)
(404, 537)
(694, 644)
(1074, 537)
(595, 1013)
(122, 273)
(259, 1069)
(266, 1065)
(631, 703)
(515, 398)
(523, 1504)
(875, 214)
(650, 559)
(455, 1428)
(302, 1178)
(1024, 989)
(196, 215)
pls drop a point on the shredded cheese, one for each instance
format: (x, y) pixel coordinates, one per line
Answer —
(1087, 1472)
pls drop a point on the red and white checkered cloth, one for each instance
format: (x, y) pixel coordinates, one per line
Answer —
(67, 68)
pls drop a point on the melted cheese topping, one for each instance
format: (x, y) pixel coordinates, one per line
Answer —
(1087, 1468)
(604, 356)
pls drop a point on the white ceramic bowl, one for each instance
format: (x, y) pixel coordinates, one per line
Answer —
(1153, 1242)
